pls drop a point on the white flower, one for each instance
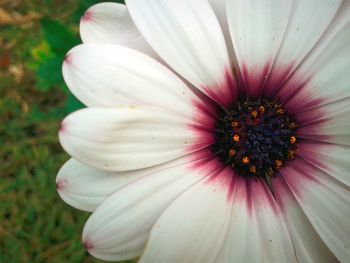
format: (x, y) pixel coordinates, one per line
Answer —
(198, 148)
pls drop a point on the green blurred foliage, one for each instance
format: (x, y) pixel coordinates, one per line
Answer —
(35, 224)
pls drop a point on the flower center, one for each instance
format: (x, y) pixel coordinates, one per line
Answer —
(255, 136)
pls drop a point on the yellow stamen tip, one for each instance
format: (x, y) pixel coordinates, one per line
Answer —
(253, 169)
(278, 164)
(236, 138)
(245, 160)
(280, 111)
(293, 139)
(261, 109)
(254, 114)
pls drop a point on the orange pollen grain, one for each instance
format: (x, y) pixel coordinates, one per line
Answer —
(234, 124)
(254, 114)
(280, 111)
(253, 169)
(232, 152)
(236, 138)
(293, 140)
(278, 164)
(245, 160)
(261, 109)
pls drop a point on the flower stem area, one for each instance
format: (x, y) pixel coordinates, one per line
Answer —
(35, 224)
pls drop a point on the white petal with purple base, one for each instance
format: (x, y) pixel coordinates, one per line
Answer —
(326, 204)
(257, 230)
(257, 28)
(120, 227)
(193, 228)
(187, 36)
(126, 138)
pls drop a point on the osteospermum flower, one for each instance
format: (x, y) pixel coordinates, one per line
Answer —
(215, 131)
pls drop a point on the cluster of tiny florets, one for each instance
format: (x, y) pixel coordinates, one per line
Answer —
(255, 136)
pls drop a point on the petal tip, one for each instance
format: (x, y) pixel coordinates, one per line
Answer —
(62, 127)
(68, 59)
(87, 16)
(60, 185)
(88, 245)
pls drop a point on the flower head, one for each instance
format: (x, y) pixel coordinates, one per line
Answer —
(215, 131)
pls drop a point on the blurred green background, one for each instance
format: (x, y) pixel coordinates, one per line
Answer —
(35, 225)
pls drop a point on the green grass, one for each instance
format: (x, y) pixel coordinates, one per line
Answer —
(35, 224)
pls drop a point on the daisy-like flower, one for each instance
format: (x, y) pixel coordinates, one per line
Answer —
(215, 131)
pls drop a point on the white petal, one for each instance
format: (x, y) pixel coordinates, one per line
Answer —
(326, 204)
(331, 158)
(327, 123)
(108, 75)
(111, 23)
(126, 138)
(327, 80)
(307, 244)
(257, 230)
(193, 228)
(257, 28)
(304, 30)
(85, 187)
(219, 7)
(186, 35)
(120, 226)
(340, 20)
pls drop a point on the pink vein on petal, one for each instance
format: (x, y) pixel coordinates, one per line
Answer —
(298, 175)
(226, 93)
(254, 80)
(277, 79)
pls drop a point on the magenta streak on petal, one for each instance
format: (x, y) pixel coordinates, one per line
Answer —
(310, 153)
(298, 175)
(226, 93)
(254, 194)
(205, 114)
(243, 193)
(281, 192)
(224, 178)
(310, 117)
(311, 123)
(298, 97)
(277, 78)
(203, 124)
(204, 162)
(253, 80)
(291, 90)
(208, 165)
(261, 196)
